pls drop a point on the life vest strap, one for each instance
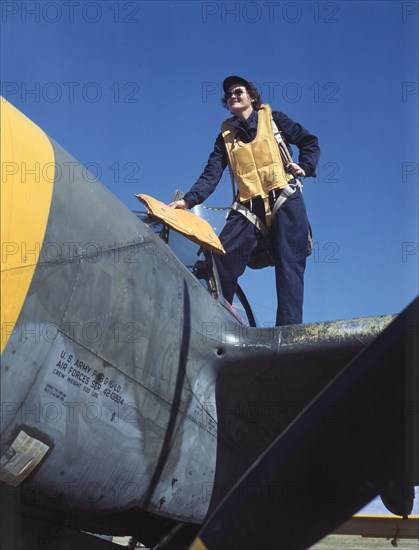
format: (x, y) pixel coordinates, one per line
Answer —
(285, 193)
(268, 213)
(249, 215)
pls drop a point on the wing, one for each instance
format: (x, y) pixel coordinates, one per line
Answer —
(358, 437)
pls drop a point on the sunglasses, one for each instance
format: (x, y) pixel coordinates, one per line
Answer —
(237, 92)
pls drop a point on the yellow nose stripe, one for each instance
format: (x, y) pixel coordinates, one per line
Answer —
(27, 182)
(198, 545)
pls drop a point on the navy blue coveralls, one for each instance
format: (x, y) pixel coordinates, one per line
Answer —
(289, 230)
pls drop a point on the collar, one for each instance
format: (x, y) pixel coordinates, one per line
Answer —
(251, 122)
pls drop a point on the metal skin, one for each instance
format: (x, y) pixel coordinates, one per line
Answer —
(361, 435)
(132, 398)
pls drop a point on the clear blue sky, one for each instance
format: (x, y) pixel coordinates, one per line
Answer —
(132, 89)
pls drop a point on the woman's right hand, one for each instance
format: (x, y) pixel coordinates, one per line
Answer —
(182, 204)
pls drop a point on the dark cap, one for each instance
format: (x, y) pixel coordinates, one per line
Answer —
(230, 80)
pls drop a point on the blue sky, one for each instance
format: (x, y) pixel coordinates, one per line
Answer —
(132, 90)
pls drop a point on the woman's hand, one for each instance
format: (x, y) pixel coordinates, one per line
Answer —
(295, 170)
(182, 204)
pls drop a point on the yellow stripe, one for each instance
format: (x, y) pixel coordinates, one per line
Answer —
(27, 181)
(198, 545)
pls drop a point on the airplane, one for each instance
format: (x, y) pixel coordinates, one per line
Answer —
(136, 401)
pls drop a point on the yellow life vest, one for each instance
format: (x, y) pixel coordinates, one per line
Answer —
(257, 166)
